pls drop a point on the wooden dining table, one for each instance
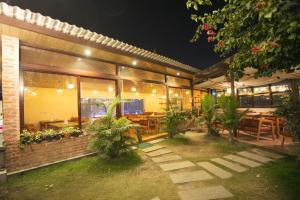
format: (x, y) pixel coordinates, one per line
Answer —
(59, 125)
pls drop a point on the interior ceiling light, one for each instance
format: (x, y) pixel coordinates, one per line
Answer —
(133, 89)
(170, 91)
(95, 91)
(178, 74)
(110, 89)
(87, 52)
(153, 95)
(79, 59)
(70, 86)
(59, 90)
(134, 63)
(34, 93)
(187, 92)
(137, 93)
(153, 91)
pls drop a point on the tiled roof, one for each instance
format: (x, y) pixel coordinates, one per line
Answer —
(72, 30)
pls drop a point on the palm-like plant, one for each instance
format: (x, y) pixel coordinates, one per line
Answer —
(208, 107)
(111, 135)
(230, 117)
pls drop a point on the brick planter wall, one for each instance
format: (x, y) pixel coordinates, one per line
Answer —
(44, 153)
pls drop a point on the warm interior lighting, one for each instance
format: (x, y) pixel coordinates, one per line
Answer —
(134, 63)
(87, 52)
(153, 95)
(187, 92)
(176, 95)
(137, 93)
(95, 91)
(59, 90)
(34, 93)
(170, 92)
(110, 89)
(153, 91)
(70, 86)
(178, 74)
(26, 90)
(133, 89)
(79, 59)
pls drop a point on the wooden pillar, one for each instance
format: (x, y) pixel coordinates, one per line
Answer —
(118, 92)
(167, 93)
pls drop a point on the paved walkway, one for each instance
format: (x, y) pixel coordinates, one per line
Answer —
(222, 168)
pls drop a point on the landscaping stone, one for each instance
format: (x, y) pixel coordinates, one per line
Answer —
(243, 161)
(267, 153)
(177, 165)
(153, 148)
(156, 141)
(184, 177)
(159, 152)
(166, 158)
(255, 157)
(214, 192)
(230, 165)
(221, 173)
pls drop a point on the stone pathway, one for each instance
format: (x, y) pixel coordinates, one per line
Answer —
(230, 165)
(176, 165)
(242, 160)
(183, 177)
(255, 157)
(168, 161)
(159, 152)
(219, 172)
(166, 158)
(267, 153)
(214, 192)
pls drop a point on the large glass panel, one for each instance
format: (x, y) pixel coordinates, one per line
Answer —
(50, 101)
(245, 91)
(258, 90)
(186, 99)
(127, 72)
(178, 81)
(93, 92)
(262, 100)
(180, 99)
(197, 98)
(49, 58)
(245, 101)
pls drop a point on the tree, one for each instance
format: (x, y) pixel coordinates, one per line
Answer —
(263, 34)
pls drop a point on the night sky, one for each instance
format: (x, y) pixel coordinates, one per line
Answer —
(163, 26)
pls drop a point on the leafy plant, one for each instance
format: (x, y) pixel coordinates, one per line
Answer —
(172, 121)
(230, 117)
(209, 117)
(75, 132)
(111, 135)
(290, 111)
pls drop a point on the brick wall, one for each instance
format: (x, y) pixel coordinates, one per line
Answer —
(36, 154)
(44, 153)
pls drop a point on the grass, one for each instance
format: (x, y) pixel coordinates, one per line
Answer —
(137, 178)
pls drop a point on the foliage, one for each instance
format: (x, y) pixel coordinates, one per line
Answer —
(290, 111)
(28, 138)
(209, 118)
(172, 121)
(111, 135)
(263, 34)
(230, 117)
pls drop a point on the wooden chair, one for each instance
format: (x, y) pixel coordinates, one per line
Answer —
(257, 126)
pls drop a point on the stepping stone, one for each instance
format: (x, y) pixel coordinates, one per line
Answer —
(219, 172)
(255, 157)
(159, 152)
(133, 147)
(267, 153)
(177, 165)
(242, 160)
(230, 165)
(156, 141)
(153, 148)
(214, 192)
(156, 198)
(184, 177)
(166, 158)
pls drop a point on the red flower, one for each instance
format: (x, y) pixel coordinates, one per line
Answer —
(211, 32)
(220, 43)
(210, 39)
(255, 50)
(205, 26)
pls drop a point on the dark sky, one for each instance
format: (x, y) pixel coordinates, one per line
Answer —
(160, 25)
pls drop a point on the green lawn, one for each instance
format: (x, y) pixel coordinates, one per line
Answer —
(139, 178)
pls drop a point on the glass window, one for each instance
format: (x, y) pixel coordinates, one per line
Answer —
(262, 100)
(50, 101)
(258, 90)
(245, 91)
(245, 101)
(93, 92)
(197, 98)
(143, 98)
(186, 99)
(178, 81)
(279, 88)
(128, 72)
(180, 99)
